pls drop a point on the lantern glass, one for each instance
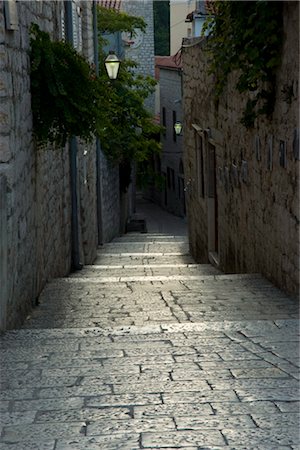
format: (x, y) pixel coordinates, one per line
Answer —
(112, 64)
(178, 127)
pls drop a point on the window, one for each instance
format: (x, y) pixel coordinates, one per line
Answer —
(181, 169)
(11, 15)
(174, 121)
(200, 165)
(282, 154)
(164, 120)
(63, 21)
(71, 24)
(171, 178)
(157, 164)
(164, 116)
(77, 26)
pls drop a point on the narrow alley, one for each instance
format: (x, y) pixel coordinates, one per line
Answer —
(146, 349)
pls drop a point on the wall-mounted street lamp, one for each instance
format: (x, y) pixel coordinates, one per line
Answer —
(112, 64)
(178, 128)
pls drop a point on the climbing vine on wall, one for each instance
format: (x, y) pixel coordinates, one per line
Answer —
(69, 98)
(65, 92)
(247, 36)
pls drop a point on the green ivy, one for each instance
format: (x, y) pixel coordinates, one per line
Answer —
(247, 36)
(65, 92)
(70, 99)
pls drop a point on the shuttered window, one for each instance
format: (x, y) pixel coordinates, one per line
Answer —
(77, 26)
(63, 21)
(200, 165)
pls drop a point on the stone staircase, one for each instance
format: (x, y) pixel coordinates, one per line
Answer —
(146, 349)
(144, 279)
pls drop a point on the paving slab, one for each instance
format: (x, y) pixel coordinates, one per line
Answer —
(147, 349)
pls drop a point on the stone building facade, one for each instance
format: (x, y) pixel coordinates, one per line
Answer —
(141, 48)
(35, 207)
(171, 165)
(110, 208)
(243, 185)
(179, 27)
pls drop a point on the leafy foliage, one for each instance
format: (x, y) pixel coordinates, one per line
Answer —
(64, 90)
(128, 132)
(70, 99)
(127, 127)
(161, 12)
(247, 36)
(112, 21)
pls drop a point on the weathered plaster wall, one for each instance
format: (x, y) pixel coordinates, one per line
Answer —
(258, 199)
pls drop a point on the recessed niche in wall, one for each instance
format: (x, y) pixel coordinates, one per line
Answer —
(257, 148)
(282, 154)
(270, 153)
(226, 178)
(221, 175)
(234, 175)
(296, 150)
(244, 171)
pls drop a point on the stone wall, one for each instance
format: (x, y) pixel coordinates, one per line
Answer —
(87, 158)
(110, 200)
(254, 225)
(37, 192)
(87, 201)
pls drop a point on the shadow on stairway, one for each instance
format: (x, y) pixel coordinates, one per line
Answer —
(151, 218)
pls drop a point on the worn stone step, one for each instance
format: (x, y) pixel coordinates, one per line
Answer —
(87, 302)
(278, 330)
(149, 238)
(143, 258)
(144, 249)
(145, 270)
(214, 276)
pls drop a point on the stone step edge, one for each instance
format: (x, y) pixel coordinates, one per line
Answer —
(149, 240)
(116, 244)
(145, 266)
(163, 235)
(147, 278)
(138, 278)
(143, 254)
(255, 325)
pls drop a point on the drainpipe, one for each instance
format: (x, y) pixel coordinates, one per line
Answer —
(98, 146)
(75, 253)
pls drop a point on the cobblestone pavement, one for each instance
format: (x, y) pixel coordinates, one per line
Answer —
(146, 349)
